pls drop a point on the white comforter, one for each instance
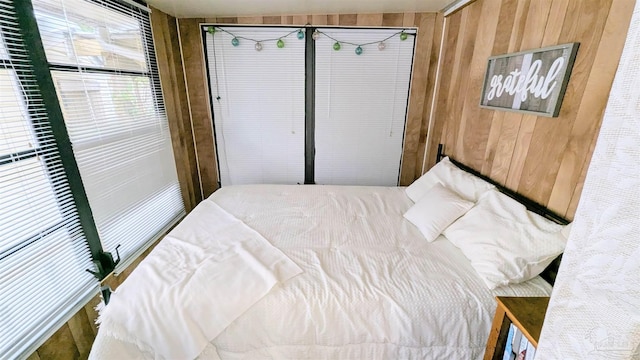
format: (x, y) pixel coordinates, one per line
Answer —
(371, 287)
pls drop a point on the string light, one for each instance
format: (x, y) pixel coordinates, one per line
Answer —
(300, 34)
(359, 48)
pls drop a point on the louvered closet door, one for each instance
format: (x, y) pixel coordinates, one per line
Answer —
(258, 105)
(361, 105)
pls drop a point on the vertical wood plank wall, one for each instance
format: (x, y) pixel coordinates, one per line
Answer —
(422, 85)
(543, 158)
(165, 34)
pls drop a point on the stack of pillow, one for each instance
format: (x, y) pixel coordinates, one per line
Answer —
(504, 242)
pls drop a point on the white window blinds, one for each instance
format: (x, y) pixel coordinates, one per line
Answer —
(361, 103)
(259, 116)
(43, 250)
(106, 78)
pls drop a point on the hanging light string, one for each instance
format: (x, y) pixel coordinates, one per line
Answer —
(250, 39)
(235, 41)
(363, 44)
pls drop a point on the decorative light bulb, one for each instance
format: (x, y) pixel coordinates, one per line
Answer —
(336, 46)
(258, 46)
(359, 50)
(235, 41)
(280, 44)
(381, 45)
(300, 34)
(211, 30)
(403, 36)
(315, 35)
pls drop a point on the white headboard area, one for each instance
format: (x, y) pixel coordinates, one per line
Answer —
(593, 312)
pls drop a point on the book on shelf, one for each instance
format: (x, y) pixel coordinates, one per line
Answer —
(515, 341)
(531, 351)
(508, 353)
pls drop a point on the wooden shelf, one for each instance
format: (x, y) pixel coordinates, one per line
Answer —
(526, 313)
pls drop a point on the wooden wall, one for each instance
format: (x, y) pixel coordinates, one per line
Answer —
(427, 48)
(165, 36)
(543, 158)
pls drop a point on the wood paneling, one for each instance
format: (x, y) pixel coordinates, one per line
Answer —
(542, 158)
(417, 96)
(60, 346)
(348, 19)
(190, 39)
(165, 32)
(422, 88)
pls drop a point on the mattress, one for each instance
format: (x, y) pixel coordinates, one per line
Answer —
(371, 286)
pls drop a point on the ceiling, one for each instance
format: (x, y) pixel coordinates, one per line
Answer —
(223, 8)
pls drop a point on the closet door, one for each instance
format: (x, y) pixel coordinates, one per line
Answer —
(361, 106)
(258, 104)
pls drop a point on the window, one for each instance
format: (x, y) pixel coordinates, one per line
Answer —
(106, 79)
(86, 162)
(43, 249)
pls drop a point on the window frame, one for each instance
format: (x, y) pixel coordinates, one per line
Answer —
(29, 30)
(57, 160)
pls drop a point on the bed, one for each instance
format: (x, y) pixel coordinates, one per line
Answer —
(321, 272)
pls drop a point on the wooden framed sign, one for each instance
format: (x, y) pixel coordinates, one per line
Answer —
(531, 82)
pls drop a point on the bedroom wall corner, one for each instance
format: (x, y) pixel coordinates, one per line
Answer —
(542, 158)
(195, 78)
(422, 95)
(169, 59)
(422, 83)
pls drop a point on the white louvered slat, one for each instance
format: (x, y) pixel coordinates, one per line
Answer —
(43, 250)
(108, 88)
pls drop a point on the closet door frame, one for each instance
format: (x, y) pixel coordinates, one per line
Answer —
(310, 88)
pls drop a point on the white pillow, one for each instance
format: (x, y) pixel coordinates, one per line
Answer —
(468, 186)
(566, 231)
(504, 241)
(436, 210)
